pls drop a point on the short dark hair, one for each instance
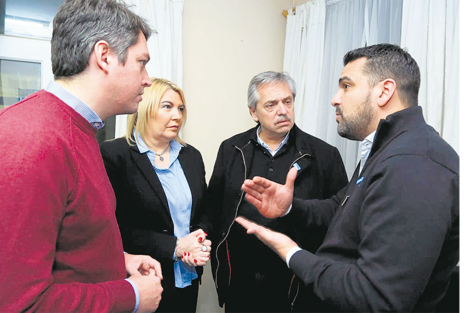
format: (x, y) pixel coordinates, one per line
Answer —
(80, 24)
(390, 61)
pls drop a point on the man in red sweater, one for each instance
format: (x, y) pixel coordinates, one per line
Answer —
(61, 249)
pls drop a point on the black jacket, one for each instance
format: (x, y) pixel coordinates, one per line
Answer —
(142, 208)
(393, 236)
(322, 174)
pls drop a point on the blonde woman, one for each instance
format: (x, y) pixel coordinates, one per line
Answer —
(159, 182)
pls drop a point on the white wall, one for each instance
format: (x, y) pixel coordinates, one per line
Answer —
(226, 43)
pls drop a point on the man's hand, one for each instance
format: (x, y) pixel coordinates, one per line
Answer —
(279, 243)
(150, 292)
(142, 265)
(271, 199)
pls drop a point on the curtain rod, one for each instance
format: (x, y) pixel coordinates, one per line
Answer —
(285, 12)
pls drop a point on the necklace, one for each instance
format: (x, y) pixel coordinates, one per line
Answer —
(160, 154)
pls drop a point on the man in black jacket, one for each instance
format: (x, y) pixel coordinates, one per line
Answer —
(393, 232)
(249, 277)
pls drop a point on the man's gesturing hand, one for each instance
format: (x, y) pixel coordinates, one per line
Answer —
(279, 243)
(271, 199)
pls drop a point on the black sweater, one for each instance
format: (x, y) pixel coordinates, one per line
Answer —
(322, 174)
(393, 236)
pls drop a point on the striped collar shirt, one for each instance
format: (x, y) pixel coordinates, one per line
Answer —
(261, 142)
(366, 146)
(78, 105)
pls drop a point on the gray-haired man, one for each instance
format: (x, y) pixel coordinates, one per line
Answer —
(249, 276)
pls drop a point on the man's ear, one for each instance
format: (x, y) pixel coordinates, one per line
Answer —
(253, 114)
(387, 89)
(102, 54)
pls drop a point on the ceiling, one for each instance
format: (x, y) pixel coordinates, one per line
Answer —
(42, 10)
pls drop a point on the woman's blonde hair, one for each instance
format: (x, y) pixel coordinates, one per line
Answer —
(148, 108)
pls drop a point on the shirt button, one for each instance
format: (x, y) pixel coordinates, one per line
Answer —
(271, 169)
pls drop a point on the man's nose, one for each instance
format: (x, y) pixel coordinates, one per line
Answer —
(146, 81)
(282, 110)
(336, 100)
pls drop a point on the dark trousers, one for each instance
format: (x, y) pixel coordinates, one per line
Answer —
(182, 300)
(253, 297)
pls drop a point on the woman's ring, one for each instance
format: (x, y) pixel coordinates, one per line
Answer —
(204, 249)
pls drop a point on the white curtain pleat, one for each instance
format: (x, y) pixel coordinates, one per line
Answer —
(165, 46)
(344, 31)
(303, 49)
(430, 32)
(451, 107)
(384, 21)
(317, 38)
(313, 57)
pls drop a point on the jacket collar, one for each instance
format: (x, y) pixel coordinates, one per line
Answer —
(395, 124)
(190, 172)
(247, 141)
(145, 167)
(143, 164)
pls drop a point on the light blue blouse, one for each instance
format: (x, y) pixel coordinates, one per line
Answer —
(179, 198)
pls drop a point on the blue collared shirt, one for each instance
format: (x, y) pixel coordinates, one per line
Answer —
(261, 142)
(179, 198)
(87, 113)
(78, 105)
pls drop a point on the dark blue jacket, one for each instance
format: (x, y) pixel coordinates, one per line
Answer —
(393, 232)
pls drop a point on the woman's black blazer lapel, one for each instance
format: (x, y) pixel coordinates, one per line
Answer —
(146, 169)
(191, 171)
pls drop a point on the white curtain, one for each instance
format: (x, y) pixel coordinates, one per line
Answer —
(430, 32)
(315, 59)
(383, 21)
(165, 46)
(304, 46)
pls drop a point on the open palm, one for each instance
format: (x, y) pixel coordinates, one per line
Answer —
(271, 199)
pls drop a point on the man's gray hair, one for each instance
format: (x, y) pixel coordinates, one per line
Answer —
(267, 78)
(80, 24)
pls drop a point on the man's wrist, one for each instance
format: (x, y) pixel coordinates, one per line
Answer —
(137, 296)
(290, 254)
(288, 210)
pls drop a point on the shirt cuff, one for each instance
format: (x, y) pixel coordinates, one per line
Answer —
(137, 297)
(288, 210)
(290, 254)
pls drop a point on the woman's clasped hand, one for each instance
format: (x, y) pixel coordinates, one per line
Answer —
(194, 249)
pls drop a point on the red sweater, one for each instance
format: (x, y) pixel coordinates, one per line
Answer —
(60, 245)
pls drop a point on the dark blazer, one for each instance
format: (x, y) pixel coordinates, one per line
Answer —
(142, 208)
